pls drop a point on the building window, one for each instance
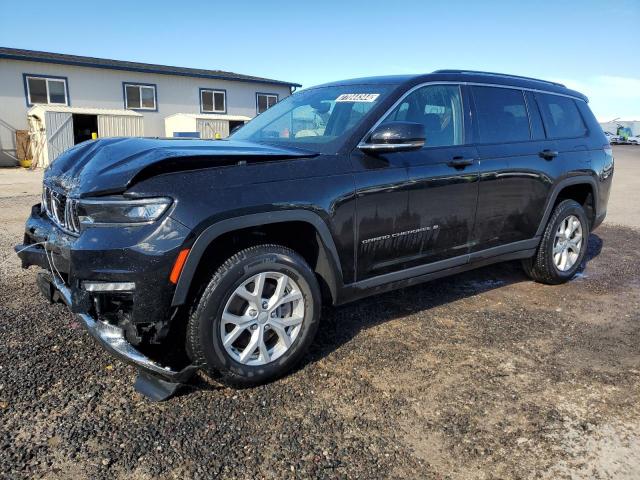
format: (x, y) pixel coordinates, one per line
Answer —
(46, 90)
(265, 101)
(140, 96)
(213, 101)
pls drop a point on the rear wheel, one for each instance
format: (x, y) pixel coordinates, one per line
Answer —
(257, 316)
(563, 245)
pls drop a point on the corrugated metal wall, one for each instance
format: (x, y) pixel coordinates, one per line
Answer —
(209, 128)
(120, 126)
(59, 127)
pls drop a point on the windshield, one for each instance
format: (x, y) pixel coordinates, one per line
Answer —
(319, 119)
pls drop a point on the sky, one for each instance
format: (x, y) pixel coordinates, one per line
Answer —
(592, 46)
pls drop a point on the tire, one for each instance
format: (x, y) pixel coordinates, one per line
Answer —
(229, 293)
(542, 266)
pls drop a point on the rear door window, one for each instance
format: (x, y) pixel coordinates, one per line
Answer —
(560, 116)
(501, 115)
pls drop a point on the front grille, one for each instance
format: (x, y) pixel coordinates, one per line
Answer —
(63, 211)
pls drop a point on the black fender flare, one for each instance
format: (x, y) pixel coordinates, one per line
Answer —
(331, 273)
(555, 191)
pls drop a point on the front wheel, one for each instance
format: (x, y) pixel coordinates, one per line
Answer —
(563, 245)
(257, 316)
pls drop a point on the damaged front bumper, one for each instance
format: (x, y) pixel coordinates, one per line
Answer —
(110, 336)
(142, 258)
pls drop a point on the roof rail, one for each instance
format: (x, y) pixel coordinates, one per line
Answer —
(500, 75)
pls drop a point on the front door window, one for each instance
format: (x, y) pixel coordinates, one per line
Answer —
(438, 108)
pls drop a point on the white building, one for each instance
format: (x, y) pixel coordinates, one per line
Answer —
(612, 126)
(65, 99)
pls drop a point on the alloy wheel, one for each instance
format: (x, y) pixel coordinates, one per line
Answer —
(262, 318)
(567, 243)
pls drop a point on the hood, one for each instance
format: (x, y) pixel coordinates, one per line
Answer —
(111, 165)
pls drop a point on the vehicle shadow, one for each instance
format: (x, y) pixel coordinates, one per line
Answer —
(341, 324)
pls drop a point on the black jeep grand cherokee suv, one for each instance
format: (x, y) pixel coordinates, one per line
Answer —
(181, 254)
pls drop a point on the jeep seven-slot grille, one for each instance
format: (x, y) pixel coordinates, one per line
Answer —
(61, 210)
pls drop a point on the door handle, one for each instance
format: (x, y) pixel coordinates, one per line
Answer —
(548, 154)
(460, 162)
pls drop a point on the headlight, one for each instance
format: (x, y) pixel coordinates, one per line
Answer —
(121, 212)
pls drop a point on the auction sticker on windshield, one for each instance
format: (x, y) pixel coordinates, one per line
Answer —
(358, 97)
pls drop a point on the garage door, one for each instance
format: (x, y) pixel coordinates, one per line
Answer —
(59, 133)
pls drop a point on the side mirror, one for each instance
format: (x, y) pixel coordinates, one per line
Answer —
(395, 137)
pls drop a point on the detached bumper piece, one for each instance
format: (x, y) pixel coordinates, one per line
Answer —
(154, 381)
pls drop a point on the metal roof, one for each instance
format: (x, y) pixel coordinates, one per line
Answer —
(38, 110)
(77, 60)
(618, 120)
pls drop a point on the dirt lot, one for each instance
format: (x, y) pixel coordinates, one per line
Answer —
(18, 182)
(482, 375)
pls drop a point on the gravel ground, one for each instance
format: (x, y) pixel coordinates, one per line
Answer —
(482, 375)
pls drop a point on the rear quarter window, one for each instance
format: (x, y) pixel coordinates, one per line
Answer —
(560, 116)
(501, 114)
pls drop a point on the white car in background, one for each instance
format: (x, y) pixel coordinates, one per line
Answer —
(634, 139)
(613, 139)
